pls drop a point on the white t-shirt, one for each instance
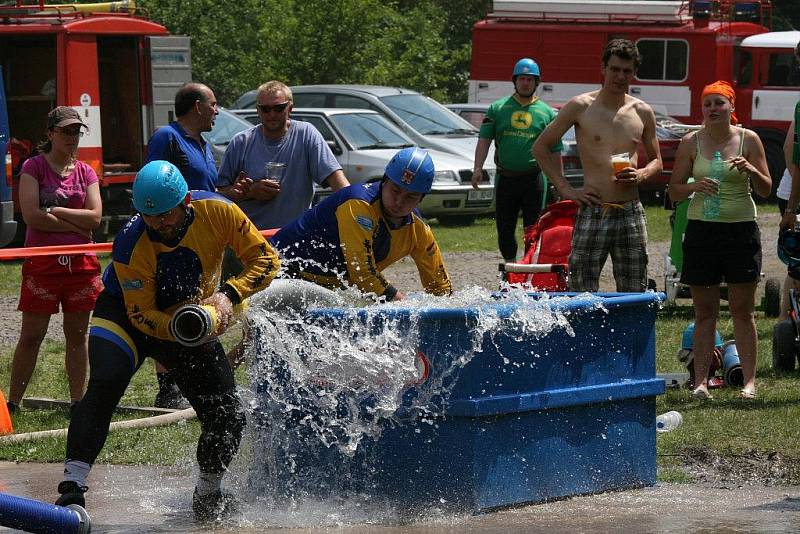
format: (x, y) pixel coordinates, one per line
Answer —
(785, 186)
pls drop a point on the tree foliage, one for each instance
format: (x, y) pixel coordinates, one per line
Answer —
(418, 44)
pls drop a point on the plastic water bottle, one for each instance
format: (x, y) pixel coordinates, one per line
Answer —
(711, 202)
(668, 421)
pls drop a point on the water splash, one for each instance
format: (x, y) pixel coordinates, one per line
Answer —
(328, 381)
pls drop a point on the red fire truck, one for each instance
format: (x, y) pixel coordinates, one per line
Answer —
(684, 44)
(118, 70)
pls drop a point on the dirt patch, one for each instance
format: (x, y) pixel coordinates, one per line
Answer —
(750, 467)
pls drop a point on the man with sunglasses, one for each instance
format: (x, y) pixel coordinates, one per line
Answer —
(182, 144)
(296, 144)
(169, 255)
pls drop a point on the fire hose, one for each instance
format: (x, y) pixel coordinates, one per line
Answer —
(36, 516)
(60, 250)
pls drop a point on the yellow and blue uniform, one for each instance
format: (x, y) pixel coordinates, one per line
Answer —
(346, 240)
(147, 279)
(153, 277)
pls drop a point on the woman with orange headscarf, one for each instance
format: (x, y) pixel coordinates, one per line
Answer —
(723, 246)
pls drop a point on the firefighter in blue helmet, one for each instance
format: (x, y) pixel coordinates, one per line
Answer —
(353, 235)
(169, 254)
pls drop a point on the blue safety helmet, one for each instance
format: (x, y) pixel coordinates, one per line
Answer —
(411, 169)
(525, 66)
(789, 248)
(159, 186)
(688, 338)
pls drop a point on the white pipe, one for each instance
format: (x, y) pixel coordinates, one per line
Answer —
(144, 422)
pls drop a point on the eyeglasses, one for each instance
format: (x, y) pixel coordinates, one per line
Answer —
(277, 108)
(162, 216)
(71, 132)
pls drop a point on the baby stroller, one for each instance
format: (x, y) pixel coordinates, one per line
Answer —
(548, 244)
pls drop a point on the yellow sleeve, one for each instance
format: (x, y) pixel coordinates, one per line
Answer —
(138, 283)
(430, 264)
(260, 260)
(356, 224)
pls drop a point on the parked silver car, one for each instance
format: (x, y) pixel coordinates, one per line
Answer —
(428, 123)
(364, 141)
(226, 125)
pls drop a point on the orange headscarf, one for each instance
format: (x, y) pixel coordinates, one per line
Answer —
(721, 87)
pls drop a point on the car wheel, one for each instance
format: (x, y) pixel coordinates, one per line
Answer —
(784, 346)
(456, 220)
(772, 297)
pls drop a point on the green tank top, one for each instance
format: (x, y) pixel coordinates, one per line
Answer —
(736, 203)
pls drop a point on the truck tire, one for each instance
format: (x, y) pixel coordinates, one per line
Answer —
(784, 346)
(772, 297)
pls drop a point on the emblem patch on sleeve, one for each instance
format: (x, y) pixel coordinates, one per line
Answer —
(365, 222)
(132, 284)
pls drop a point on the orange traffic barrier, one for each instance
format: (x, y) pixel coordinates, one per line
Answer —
(5, 418)
(58, 250)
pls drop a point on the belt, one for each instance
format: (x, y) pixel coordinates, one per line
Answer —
(518, 174)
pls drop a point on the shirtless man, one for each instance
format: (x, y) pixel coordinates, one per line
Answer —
(611, 218)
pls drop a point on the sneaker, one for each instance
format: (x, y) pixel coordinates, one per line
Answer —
(214, 506)
(71, 493)
(171, 398)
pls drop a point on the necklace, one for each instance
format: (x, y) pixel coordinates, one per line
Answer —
(720, 141)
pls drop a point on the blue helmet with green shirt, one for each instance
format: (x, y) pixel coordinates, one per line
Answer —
(525, 66)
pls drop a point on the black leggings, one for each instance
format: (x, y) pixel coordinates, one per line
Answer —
(515, 193)
(202, 373)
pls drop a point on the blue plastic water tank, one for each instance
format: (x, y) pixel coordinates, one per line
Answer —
(530, 417)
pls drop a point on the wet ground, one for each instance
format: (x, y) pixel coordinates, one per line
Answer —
(147, 499)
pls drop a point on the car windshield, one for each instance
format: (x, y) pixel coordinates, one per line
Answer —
(427, 116)
(369, 130)
(226, 125)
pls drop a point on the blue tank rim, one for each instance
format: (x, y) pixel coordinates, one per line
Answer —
(577, 301)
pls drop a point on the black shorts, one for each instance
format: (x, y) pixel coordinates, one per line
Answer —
(714, 252)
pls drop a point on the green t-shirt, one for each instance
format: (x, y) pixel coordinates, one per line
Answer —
(514, 128)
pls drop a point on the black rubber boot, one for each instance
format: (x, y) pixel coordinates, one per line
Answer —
(71, 493)
(214, 506)
(169, 395)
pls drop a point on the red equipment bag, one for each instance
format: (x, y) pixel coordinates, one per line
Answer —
(547, 243)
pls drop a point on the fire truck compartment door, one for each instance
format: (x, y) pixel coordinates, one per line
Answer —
(773, 105)
(170, 67)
